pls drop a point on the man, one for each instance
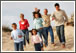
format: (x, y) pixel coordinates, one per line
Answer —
(60, 18)
(36, 11)
(47, 26)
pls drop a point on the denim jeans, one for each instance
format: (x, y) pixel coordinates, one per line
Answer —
(49, 29)
(19, 46)
(37, 47)
(60, 32)
(43, 33)
(26, 36)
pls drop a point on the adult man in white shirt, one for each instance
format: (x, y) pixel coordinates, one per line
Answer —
(60, 18)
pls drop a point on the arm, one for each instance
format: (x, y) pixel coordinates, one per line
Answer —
(19, 25)
(32, 40)
(34, 24)
(66, 18)
(12, 36)
(22, 33)
(27, 23)
(39, 38)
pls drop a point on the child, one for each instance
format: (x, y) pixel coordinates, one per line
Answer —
(36, 40)
(17, 36)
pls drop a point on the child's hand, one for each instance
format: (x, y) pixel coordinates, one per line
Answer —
(11, 38)
(20, 36)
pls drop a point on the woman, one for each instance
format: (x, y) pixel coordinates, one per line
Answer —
(38, 25)
(23, 23)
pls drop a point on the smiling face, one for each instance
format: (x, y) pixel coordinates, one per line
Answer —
(22, 16)
(45, 11)
(34, 32)
(14, 26)
(36, 16)
(36, 9)
(57, 8)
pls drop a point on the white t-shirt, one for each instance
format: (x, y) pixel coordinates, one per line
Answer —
(36, 39)
(15, 34)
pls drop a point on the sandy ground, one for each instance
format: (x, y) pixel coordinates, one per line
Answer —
(8, 45)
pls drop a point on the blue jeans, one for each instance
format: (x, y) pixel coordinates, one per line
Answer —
(43, 33)
(19, 46)
(26, 36)
(60, 32)
(49, 29)
(37, 47)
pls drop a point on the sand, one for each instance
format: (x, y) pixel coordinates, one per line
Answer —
(8, 45)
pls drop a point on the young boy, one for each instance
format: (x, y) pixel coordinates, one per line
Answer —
(17, 36)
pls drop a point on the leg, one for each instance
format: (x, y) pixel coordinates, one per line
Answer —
(62, 34)
(21, 46)
(40, 34)
(24, 41)
(58, 33)
(51, 34)
(44, 33)
(27, 36)
(15, 46)
(37, 47)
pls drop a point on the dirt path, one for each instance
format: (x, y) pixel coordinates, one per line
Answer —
(8, 45)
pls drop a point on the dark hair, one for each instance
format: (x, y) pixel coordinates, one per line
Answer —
(32, 31)
(14, 24)
(57, 4)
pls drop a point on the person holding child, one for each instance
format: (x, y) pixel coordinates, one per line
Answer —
(38, 25)
(24, 24)
(47, 26)
(17, 35)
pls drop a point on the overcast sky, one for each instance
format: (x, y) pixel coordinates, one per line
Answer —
(12, 10)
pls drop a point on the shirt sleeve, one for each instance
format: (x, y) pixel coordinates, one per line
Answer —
(12, 35)
(22, 33)
(27, 23)
(66, 18)
(39, 38)
(32, 40)
(19, 25)
(42, 20)
(34, 24)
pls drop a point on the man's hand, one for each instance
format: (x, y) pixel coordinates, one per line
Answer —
(11, 38)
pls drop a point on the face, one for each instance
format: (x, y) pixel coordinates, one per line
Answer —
(57, 7)
(14, 26)
(45, 12)
(36, 15)
(36, 9)
(34, 32)
(22, 17)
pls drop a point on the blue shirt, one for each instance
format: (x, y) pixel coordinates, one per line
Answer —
(15, 34)
(38, 23)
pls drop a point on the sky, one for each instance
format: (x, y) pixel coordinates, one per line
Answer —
(11, 11)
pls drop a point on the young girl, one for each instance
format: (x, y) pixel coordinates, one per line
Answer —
(36, 40)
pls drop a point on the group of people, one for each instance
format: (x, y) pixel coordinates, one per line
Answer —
(41, 28)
